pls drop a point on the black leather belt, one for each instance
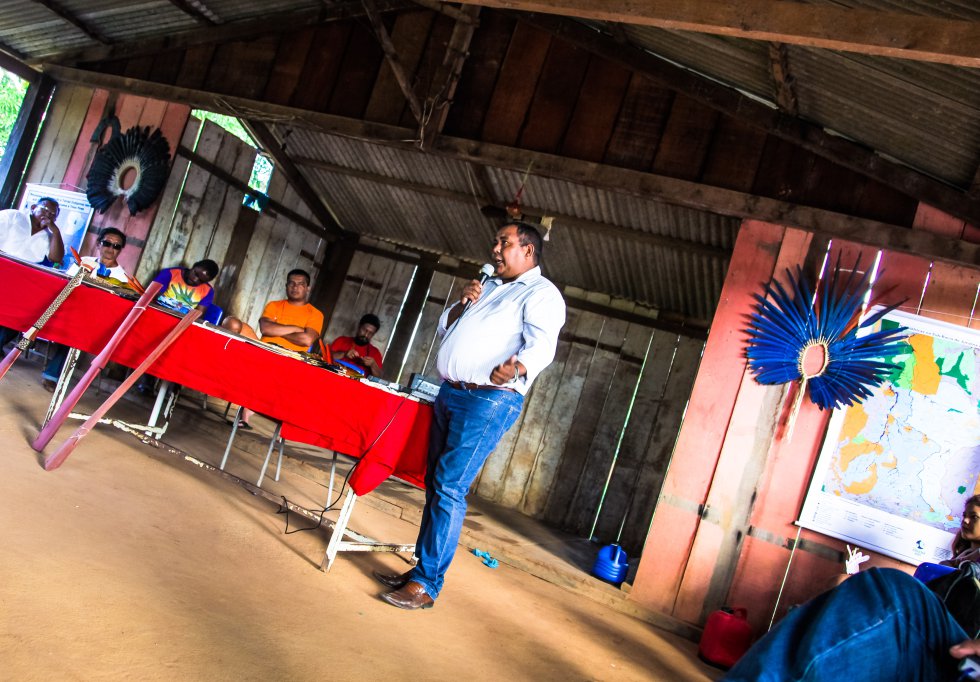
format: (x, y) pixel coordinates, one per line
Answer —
(462, 385)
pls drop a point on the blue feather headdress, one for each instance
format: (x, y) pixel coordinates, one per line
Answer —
(789, 322)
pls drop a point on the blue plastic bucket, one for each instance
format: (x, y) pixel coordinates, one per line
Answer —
(611, 564)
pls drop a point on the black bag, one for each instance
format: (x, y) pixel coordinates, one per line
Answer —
(960, 592)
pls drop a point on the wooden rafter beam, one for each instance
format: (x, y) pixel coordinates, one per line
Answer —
(272, 205)
(196, 9)
(886, 34)
(223, 33)
(444, 8)
(452, 68)
(17, 66)
(792, 129)
(394, 62)
(590, 226)
(782, 79)
(645, 185)
(13, 55)
(273, 147)
(975, 185)
(64, 14)
(714, 199)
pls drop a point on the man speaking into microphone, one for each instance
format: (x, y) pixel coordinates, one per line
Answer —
(494, 342)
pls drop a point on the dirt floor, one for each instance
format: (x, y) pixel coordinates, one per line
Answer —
(128, 563)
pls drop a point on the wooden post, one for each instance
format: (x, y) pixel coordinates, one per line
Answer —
(333, 272)
(21, 141)
(401, 335)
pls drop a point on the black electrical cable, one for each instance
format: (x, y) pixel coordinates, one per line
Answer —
(283, 507)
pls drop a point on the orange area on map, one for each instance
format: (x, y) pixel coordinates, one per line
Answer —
(864, 487)
(855, 419)
(925, 375)
(891, 463)
(849, 452)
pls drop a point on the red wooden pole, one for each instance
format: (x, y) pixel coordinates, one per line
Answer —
(54, 461)
(98, 363)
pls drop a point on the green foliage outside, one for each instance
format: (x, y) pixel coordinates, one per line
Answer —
(12, 91)
(262, 170)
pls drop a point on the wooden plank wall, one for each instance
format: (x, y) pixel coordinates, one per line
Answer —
(577, 431)
(65, 152)
(373, 284)
(208, 220)
(724, 531)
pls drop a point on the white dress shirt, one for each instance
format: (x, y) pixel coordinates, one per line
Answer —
(521, 318)
(16, 239)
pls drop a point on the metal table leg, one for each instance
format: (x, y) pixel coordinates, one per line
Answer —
(64, 379)
(268, 455)
(231, 438)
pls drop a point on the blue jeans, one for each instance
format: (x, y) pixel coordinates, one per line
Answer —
(466, 427)
(59, 353)
(881, 624)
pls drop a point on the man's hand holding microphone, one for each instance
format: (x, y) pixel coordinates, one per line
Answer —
(471, 294)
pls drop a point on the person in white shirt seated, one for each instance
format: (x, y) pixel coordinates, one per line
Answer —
(105, 266)
(34, 237)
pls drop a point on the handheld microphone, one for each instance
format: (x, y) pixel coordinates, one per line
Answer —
(486, 272)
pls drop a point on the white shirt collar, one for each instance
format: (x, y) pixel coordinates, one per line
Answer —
(525, 277)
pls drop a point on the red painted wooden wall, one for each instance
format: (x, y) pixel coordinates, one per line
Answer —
(132, 111)
(723, 531)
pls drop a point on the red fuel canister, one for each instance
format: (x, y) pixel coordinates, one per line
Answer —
(726, 637)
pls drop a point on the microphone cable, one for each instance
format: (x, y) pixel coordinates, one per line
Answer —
(283, 507)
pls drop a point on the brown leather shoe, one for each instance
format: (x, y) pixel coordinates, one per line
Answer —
(49, 385)
(410, 597)
(395, 581)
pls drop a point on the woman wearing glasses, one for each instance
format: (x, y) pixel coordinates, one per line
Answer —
(105, 265)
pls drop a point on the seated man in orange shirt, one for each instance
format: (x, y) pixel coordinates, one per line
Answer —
(291, 323)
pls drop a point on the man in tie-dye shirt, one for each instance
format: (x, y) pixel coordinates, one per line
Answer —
(187, 288)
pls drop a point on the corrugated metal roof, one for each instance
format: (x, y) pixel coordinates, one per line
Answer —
(31, 29)
(34, 30)
(922, 114)
(743, 64)
(925, 115)
(237, 10)
(597, 242)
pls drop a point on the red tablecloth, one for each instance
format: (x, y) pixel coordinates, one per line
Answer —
(352, 417)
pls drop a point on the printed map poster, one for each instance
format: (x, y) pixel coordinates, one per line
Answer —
(74, 215)
(895, 471)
